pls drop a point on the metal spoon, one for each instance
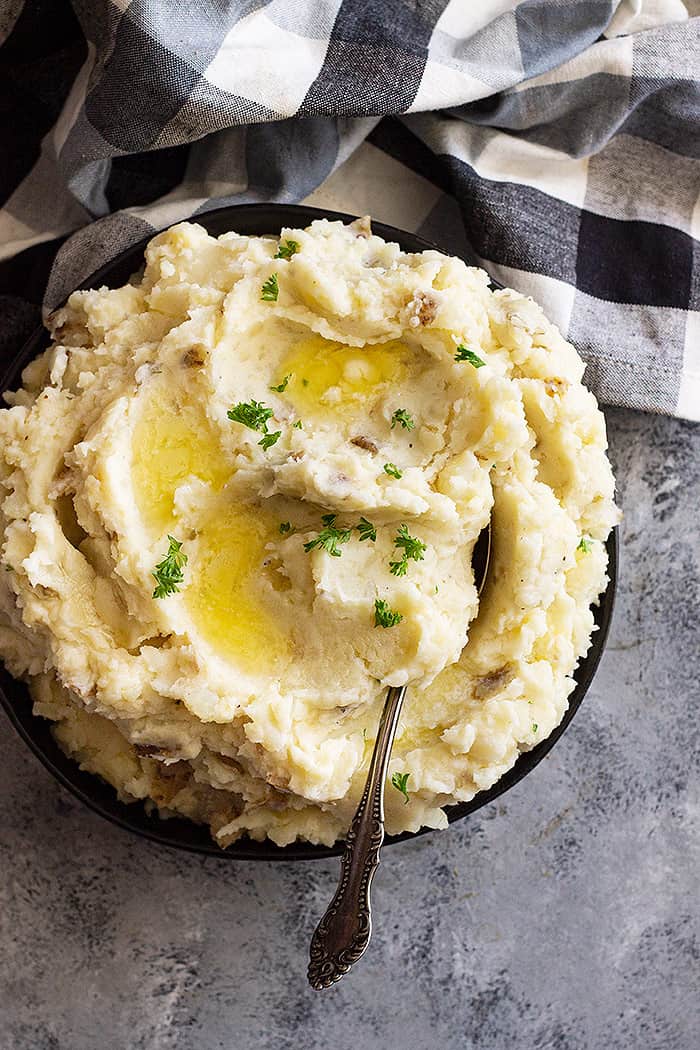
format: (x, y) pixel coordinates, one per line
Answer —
(343, 933)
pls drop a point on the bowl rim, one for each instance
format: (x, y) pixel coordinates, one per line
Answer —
(180, 833)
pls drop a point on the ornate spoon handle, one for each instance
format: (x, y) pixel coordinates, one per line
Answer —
(344, 931)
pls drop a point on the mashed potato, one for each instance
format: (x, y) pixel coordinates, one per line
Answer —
(241, 495)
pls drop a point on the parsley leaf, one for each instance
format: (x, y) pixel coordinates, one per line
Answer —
(287, 249)
(329, 537)
(283, 385)
(534, 727)
(270, 290)
(412, 547)
(298, 425)
(268, 440)
(366, 530)
(169, 572)
(392, 470)
(285, 526)
(399, 781)
(402, 416)
(585, 544)
(464, 354)
(385, 616)
(252, 414)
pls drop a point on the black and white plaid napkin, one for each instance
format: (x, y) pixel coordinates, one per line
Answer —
(556, 142)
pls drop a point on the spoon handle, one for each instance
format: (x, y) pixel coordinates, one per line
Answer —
(344, 931)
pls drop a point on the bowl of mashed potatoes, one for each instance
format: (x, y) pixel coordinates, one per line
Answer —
(243, 475)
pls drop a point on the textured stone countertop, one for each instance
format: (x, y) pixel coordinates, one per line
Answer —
(564, 915)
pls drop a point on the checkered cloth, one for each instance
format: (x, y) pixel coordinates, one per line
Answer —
(555, 142)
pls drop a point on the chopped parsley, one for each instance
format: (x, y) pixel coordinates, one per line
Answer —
(283, 385)
(287, 249)
(534, 727)
(585, 544)
(304, 382)
(412, 548)
(285, 526)
(366, 530)
(268, 440)
(169, 572)
(399, 781)
(270, 290)
(464, 354)
(384, 616)
(329, 537)
(254, 415)
(402, 416)
(298, 425)
(392, 470)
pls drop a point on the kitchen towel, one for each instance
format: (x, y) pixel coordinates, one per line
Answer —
(554, 142)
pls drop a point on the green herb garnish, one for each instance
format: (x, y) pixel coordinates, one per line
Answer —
(399, 781)
(268, 440)
(402, 416)
(287, 249)
(285, 526)
(329, 537)
(412, 548)
(392, 470)
(585, 544)
(464, 354)
(169, 572)
(283, 385)
(534, 727)
(298, 425)
(254, 415)
(270, 290)
(385, 616)
(366, 530)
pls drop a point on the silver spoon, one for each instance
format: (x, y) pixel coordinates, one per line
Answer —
(343, 933)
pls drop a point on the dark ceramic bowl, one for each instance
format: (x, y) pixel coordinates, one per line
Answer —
(183, 834)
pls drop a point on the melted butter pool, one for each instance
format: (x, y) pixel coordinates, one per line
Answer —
(222, 598)
(171, 443)
(325, 375)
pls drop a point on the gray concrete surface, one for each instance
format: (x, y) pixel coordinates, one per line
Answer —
(563, 916)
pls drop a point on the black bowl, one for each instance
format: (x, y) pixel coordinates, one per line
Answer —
(183, 834)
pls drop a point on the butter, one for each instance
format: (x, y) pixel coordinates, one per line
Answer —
(223, 596)
(171, 443)
(327, 375)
